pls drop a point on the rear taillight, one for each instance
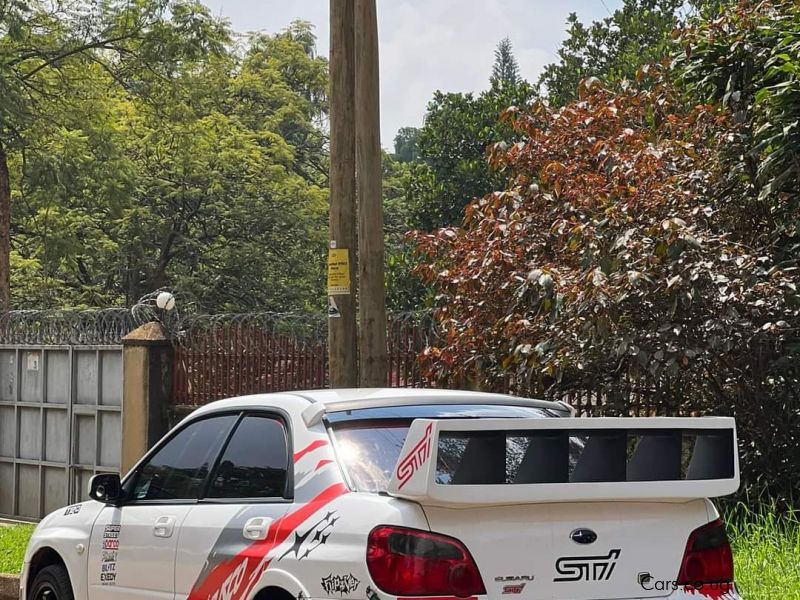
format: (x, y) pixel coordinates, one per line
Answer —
(409, 562)
(708, 560)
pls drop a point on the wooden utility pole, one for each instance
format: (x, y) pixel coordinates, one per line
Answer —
(371, 290)
(342, 337)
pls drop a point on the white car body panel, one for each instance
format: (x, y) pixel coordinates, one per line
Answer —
(315, 543)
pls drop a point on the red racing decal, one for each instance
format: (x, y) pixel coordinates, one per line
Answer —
(309, 449)
(411, 463)
(322, 463)
(225, 581)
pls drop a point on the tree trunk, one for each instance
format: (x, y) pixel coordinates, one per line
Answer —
(5, 233)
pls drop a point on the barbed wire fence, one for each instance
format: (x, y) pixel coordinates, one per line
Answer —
(222, 355)
(67, 328)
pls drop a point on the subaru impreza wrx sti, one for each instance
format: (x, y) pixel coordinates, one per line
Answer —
(401, 495)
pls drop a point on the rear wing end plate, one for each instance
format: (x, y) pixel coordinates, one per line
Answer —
(484, 462)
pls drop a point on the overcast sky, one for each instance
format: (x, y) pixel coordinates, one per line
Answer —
(427, 45)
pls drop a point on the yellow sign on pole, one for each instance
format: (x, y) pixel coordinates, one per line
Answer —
(338, 271)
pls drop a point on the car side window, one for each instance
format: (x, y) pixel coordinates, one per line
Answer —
(179, 469)
(254, 464)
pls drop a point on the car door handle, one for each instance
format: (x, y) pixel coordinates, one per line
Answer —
(256, 528)
(164, 527)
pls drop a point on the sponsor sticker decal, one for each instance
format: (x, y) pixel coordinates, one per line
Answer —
(72, 510)
(108, 554)
(340, 584)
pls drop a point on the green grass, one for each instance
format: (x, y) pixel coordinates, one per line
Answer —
(13, 541)
(766, 550)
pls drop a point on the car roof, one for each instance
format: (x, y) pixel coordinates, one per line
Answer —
(336, 400)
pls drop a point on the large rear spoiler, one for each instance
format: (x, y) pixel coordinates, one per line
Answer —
(474, 462)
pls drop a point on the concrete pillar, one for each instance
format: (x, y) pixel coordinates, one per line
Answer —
(147, 362)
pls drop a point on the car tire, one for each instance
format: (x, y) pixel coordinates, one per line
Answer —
(51, 583)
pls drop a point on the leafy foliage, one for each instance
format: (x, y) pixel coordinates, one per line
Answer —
(610, 258)
(187, 162)
(747, 58)
(404, 291)
(612, 49)
(453, 142)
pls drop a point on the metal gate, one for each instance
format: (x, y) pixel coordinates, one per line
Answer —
(60, 423)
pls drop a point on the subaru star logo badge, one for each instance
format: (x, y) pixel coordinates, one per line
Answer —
(583, 536)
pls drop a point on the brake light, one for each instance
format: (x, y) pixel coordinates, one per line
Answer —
(708, 559)
(409, 562)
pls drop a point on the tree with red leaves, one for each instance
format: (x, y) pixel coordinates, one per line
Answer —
(608, 255)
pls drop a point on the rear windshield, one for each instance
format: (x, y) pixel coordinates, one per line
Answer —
(369, 440)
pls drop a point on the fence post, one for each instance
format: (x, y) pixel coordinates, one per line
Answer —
(147, 363)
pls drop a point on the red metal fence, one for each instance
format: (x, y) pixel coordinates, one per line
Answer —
(232, 355)
(243, 357)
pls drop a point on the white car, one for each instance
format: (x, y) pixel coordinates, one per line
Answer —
(401, 494)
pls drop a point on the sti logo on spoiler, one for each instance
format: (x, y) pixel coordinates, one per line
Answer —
(587, 568)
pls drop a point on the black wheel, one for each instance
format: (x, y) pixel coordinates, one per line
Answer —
(51, 583)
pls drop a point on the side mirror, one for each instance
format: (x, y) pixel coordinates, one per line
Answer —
(106, 488)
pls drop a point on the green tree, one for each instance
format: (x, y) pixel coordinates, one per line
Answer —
(505, 70)
(404, 291)
(206, 174)
(458, 129)
(746, 57)
(233, 181)
(48, 55)
(612, 49)
(406, 144)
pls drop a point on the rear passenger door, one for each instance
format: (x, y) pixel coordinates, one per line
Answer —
(225, 537)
